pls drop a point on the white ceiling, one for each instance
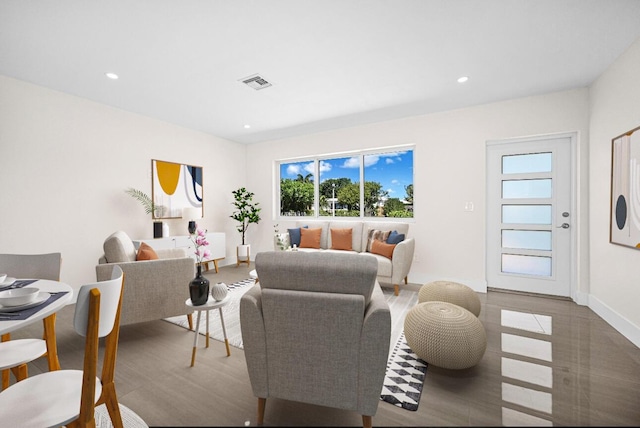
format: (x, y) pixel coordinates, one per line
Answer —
(332, 63)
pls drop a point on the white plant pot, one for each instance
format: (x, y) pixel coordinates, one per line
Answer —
(243, 252)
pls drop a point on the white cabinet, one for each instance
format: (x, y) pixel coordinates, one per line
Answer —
(217, 246)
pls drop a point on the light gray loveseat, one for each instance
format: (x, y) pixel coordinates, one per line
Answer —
(153, 289)
(390, 271)
(316, 329)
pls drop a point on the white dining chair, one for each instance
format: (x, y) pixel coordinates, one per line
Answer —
(14, 355)
(68, 397)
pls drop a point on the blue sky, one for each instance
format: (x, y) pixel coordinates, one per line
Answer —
(393, 170)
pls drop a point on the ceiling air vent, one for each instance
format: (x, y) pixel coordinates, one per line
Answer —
(256, 82)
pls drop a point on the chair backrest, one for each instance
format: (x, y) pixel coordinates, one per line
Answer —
(35, 266)
(318, 271)
(119, 248)
(110, 292)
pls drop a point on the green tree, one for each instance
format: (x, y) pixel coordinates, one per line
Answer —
(373, 193)
(393, 204)
(295, 195)
(409, 190)
(247, 211)
(349, 196)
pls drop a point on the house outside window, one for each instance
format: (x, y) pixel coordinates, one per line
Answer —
(359, 184)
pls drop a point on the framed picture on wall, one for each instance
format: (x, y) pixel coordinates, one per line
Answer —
(625, 189)
(175, 187)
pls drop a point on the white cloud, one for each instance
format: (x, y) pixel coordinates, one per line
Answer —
(353, 162)
(394, 181)
(324, 166)
(293, 169)
(389, 161)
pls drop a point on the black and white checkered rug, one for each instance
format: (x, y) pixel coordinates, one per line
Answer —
(240, 284)
(404, 378)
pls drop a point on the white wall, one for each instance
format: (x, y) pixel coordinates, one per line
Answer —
(615, 270)
(66, 161)
(449, 162)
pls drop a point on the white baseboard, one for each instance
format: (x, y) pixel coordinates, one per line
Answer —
(617, 321)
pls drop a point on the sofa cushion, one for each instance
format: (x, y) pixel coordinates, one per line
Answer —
(310, 238)
(376, 235)
(119, 248)
(395, 237)
(342, 239)
(294, 236)
(356, 226)
(382, 225)
(146, 252)
(382, 248)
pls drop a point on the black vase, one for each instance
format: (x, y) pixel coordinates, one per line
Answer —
(199, 289)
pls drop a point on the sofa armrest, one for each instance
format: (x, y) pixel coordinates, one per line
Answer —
(254, 340)
(401, 260)
(374, 351)
(153, 289)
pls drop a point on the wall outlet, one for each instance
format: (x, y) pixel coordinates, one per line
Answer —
(468, 206)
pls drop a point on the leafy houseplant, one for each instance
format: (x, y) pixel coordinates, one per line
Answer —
(247, 211)
(144, 199)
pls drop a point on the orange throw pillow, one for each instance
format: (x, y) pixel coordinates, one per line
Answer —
(382, 248)
(145, 252)
(342, 239)
(310, 238)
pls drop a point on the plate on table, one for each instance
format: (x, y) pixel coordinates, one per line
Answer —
(8, 281)
(42, 297)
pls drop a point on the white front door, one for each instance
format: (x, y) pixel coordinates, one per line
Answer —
(530, 214)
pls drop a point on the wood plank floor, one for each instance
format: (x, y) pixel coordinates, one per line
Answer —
(589, 376)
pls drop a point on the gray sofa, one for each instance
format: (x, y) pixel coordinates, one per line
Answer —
(316, 329)
(153, 289)
(390, 271)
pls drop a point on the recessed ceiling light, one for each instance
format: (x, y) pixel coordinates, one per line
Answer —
(247, 126)
(113, 76)
(463, 79)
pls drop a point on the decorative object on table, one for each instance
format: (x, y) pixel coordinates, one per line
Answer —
(280, 240)
(625, 188)
(219, 291)
(175, 186)
(247, 212)
(192, 214)
(199, 286)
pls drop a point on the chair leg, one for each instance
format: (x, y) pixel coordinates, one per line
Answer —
(396, 289)
(20, 372)
(262, 402)
(367, 421)
(110, 400)
(190, 321)
(6, 374)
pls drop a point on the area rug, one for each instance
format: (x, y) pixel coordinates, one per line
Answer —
(404, 378)
(129, 418)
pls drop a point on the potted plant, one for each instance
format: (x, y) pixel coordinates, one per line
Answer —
(159, 229)
(246, 212)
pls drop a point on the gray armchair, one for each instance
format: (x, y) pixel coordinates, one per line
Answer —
(316, 329)
(153, 289)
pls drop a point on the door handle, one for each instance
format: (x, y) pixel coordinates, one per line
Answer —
(563, 226)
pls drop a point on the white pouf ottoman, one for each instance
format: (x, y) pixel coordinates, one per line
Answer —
(445, 335)
(450, 292)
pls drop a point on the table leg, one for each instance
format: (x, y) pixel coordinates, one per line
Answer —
(50, 338)
(195, 339)
(224, 332)
(207, 339)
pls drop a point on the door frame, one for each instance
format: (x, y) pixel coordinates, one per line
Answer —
(574, 197)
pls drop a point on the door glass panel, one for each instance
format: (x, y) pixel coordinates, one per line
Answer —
(526, 214)
(512, 189)
(527, 239)
(522, 164)
(526, 265)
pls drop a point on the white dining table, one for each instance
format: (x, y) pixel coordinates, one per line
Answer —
(47, 314)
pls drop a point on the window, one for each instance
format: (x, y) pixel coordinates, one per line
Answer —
(360, 184)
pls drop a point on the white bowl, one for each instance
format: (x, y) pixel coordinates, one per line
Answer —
(18, 296)
(3, 276)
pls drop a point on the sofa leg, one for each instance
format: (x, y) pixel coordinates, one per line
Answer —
(406, 280)
(396, 289)
(262, 402)
(367, 421)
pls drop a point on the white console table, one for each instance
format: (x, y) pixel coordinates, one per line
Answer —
(217, 246)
